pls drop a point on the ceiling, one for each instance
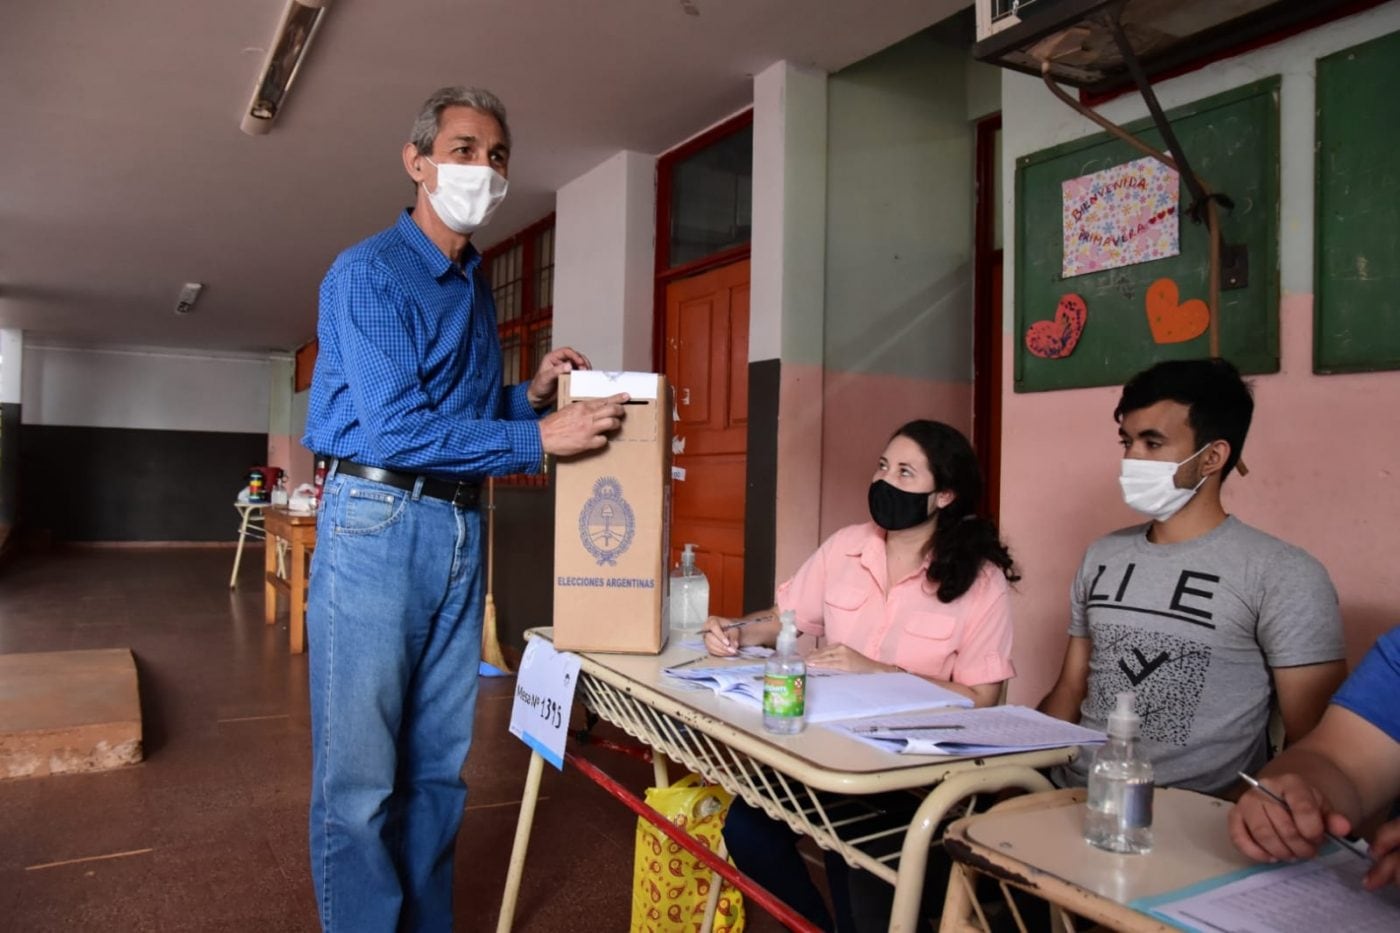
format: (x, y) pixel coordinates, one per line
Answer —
(123, 173)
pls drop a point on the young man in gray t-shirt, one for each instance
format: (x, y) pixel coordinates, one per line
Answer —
(1206, 618)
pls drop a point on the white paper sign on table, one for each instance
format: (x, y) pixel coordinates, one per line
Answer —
(544, 695)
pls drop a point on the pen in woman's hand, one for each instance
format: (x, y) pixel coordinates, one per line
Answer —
(740, 623)
(1359, 853)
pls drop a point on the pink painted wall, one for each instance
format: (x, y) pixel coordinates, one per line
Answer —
(1323, 456)
(860, 412)
(799, 466)
(1321, 476)
(285, 451)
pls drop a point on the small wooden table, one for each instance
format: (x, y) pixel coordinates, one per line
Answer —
(299, 533)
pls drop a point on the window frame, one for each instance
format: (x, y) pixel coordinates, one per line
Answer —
(532, 318)
(663, 272)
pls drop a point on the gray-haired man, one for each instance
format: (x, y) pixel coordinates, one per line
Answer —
(407, 401)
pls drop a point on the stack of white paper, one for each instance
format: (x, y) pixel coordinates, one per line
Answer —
(1324, 893)
(986, 731)
(831, 695)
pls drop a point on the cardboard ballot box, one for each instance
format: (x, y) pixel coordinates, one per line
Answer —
(612, 523)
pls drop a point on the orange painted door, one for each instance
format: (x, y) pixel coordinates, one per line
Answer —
(707, 360)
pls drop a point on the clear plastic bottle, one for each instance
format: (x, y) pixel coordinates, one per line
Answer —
(690, 595)
(785, 682)
(1118, 816)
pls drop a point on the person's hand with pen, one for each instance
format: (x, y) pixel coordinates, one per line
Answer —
(724, 637)
(1337, 778)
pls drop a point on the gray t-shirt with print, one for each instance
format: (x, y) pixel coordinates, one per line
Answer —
(1195, 628)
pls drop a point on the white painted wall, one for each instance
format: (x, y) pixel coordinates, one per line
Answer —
(11, 365)
(788, 247)
(983, 89)
(604, 223)
(899, 214)
(280, 374)
(151, 389)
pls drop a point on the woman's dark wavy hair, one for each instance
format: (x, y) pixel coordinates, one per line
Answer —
(962, 539)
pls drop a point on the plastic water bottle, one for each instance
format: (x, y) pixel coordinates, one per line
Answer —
(1119, 813)
(785, 682)
(690, 595)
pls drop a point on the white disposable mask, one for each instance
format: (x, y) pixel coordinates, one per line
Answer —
(466, 195)
(1149, 486)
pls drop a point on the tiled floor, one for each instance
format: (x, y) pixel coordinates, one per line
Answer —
(209, 832)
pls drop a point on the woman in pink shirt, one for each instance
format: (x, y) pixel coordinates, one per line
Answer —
(923, 588)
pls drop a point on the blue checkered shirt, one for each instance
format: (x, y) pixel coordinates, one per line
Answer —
(408, 374)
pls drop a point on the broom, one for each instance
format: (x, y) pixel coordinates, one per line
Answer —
(490, 641)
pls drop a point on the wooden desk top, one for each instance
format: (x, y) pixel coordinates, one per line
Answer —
(275, 515)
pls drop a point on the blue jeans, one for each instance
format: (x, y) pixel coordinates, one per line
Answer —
(394, 618)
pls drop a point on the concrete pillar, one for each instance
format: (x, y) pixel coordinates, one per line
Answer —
(604, 262)
(787, 297)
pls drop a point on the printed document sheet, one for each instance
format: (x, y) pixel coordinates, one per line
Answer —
(1324, 893)
(984, 731)
(831, 695)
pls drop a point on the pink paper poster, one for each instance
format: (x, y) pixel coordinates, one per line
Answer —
(1120, 216)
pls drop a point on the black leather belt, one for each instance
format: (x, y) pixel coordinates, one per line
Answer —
(464, 495)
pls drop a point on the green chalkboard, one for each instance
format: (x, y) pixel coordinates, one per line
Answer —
(1357, 270)
(1231, 141)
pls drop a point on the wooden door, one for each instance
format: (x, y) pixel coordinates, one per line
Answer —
(707, 360)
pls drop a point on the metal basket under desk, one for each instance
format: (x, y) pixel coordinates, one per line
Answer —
(874, 811)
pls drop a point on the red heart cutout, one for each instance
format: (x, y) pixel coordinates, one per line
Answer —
(1055, 340)
(1172, 320)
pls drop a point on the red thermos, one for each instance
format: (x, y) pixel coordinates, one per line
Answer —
(320, 481)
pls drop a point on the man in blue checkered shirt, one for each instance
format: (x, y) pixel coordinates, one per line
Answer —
(407, 401)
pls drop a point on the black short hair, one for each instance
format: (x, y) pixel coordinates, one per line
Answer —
(1219, 404)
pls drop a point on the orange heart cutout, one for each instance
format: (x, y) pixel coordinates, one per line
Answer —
(1171, 320)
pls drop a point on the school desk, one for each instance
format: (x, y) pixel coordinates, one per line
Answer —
(808, 780)
(1036, 844)
(250, 520)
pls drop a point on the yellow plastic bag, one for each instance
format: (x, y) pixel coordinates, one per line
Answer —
(670, 886)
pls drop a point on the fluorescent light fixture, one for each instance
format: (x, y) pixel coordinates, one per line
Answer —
(300, 20)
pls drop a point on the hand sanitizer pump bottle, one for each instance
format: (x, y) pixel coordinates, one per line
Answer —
(690, 595)
(1119, 813)
(785, 682)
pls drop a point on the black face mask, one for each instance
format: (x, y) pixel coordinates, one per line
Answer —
(893, 509)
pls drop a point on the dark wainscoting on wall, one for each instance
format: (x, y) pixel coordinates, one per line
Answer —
(524, 590)
(129, 484)
(761, 499)
(9, 468)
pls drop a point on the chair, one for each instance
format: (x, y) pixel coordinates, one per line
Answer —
(250, 525)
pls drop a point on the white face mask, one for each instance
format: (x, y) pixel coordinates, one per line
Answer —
(1149, 486)
(466, 195)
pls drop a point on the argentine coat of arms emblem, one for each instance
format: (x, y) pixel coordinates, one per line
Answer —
(605, 523)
